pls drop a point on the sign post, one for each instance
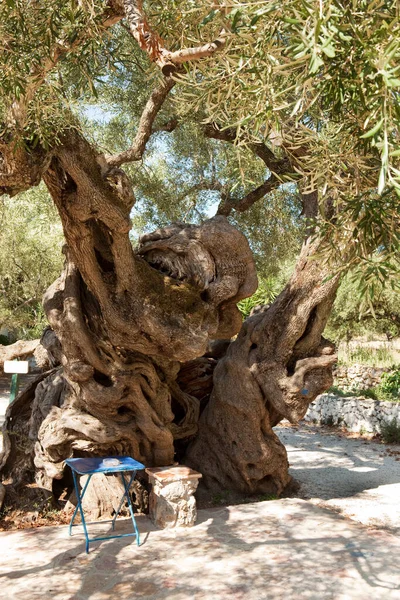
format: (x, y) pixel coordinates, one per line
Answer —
(16, 367)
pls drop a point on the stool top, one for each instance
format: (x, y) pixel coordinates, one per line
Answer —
(88, 466)
(172, 473)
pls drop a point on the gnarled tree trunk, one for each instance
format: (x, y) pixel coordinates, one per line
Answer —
(277, 365)
(133, 327)
(126, 320)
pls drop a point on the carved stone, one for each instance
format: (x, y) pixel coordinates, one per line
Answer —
(172, 503)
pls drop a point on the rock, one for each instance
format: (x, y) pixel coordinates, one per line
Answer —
(355, 413)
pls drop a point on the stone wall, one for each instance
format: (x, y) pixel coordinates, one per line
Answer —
(357, 376)
(355, 414)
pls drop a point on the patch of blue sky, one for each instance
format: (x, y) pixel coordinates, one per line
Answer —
(94, 112)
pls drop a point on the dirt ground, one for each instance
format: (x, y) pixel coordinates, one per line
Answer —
(352, 475)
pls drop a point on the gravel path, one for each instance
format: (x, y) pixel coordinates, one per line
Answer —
(356, 477)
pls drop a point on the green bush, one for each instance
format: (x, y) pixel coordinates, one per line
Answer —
(338, 392)
(265, 294)
(390, 382)
(371, 393)
(376, 393)
(390, 431)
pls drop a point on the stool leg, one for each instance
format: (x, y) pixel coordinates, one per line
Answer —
(122, 500)
(126, 487)
(79, 498)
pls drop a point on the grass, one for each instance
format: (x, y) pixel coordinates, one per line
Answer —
(372, 357)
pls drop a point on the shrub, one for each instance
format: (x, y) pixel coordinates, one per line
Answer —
(390, 431)
(265, 294)
(390, 382)
(376, 393)
(338, 392)
(368, 393)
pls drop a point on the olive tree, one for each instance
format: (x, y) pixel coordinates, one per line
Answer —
(310, 91)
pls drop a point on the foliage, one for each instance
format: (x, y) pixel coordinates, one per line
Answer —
(302, 60)
(320, 82)
(390, 432)
(337, 391)
(371, 393)
(265, 294)
(387, 391)
(355, 391)
(30, 259)
(390, 382)
(34, 37)
(354, 314)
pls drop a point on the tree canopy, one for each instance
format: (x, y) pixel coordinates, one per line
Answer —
(30, 259)
(317, 82)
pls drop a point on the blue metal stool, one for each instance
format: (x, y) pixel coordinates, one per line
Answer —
(109, 464)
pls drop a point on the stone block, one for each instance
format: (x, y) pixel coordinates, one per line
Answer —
(171, 502)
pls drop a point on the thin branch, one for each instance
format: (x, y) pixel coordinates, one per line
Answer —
(274, 164)
(111, 16)
(228, 203)
(145, 129)
(152, 44)
(168, 126)
(199, 187)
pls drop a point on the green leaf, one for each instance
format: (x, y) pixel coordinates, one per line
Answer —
(329, 51)
(211, 15)
(382, 180)
(315, 63)
(374, 130)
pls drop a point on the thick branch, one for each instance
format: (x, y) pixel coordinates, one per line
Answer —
(20, 349)
(152, 108)
(152, 44)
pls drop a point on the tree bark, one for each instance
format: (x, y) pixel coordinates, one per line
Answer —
(277, 365)
(20, 349)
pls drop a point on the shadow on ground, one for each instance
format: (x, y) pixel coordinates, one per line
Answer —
(272, 550)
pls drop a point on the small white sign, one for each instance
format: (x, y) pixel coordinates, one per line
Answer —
(16, 366)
